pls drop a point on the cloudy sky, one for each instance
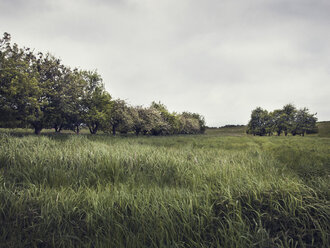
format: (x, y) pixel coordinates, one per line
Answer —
(220, 58)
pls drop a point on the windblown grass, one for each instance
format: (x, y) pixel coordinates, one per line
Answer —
(181, 191)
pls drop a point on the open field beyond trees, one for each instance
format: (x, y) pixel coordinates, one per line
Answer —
(221, 189)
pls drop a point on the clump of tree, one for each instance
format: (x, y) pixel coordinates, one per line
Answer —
(287, 120)
(152, 120)
(38, 91)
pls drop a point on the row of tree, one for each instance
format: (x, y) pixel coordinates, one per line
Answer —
(38, 91)
(289, 119)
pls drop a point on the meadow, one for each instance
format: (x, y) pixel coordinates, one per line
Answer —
(220, 189)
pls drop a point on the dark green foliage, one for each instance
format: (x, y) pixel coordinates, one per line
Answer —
(23, 97)
(119, 116)
(303, 123)
(286, 120)
(38, 91)
(259, 122)
(96, 102)
(289, 115)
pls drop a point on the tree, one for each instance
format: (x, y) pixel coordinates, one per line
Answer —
(303, 122)
(278, 121)
(118, 115)
(199, 118)
(150, 121)
(258, 122)
(37, 90)
(171, 123)
(188, 125)
(287, 120)
(269, 124)
(23, 96)
(54, 80)
(96, 102)
(72, 101)
(288, 112)
(138, 114)
(7, 73)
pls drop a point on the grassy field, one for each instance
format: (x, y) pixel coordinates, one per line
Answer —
(222, 189)
(324, 129)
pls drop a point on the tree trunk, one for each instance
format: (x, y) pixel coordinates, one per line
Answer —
(113, 130)
(76, 129)
(93, 129)
(58, 128)
(37, 127)
(37, 130)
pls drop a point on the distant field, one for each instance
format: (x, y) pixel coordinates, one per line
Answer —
(227, 131)
(324, 128)
(222, 189)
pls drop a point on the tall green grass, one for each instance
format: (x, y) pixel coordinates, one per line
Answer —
(181, 191)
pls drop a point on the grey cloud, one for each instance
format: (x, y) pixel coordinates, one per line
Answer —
(219, 58)
(12, 9)
(307, 10)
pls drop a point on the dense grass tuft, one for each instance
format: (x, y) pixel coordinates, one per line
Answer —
(183, 191)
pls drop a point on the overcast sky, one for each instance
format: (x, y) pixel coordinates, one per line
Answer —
(220, 58)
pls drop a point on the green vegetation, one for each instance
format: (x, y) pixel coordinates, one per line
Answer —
(227, 131)
(222, 189)
(39, 92)
(213, 190)
(324, 128)
(285, 120)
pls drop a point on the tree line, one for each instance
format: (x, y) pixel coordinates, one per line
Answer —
(287, 120)
(38, 91)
